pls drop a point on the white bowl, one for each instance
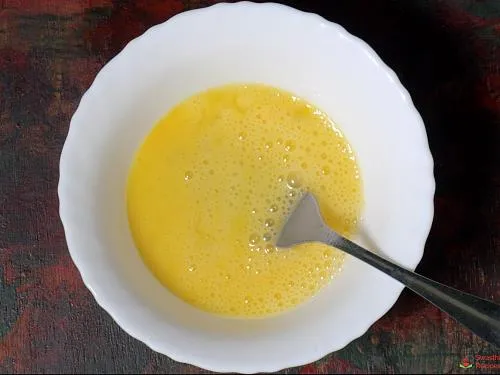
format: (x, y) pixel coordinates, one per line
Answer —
(244, 42)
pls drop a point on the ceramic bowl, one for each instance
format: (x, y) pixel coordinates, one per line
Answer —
(244, 42)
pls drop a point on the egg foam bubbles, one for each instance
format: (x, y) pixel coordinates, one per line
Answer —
(215, 180)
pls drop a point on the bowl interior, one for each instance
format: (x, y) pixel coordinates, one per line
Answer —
(222, 44)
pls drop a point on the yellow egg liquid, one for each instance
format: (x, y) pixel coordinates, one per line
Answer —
(212, 185)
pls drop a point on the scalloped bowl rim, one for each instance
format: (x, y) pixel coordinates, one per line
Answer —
(88, 272)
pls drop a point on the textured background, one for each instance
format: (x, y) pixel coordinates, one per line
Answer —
(446, 52)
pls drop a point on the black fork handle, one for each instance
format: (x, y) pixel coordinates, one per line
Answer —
(479, 315)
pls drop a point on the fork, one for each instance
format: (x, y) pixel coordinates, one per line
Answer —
(481, 316)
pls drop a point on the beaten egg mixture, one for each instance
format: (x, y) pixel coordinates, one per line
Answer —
(212, 185)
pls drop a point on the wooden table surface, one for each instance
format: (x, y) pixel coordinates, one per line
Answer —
(446, 53)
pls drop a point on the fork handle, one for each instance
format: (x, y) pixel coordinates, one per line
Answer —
(479, 315)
